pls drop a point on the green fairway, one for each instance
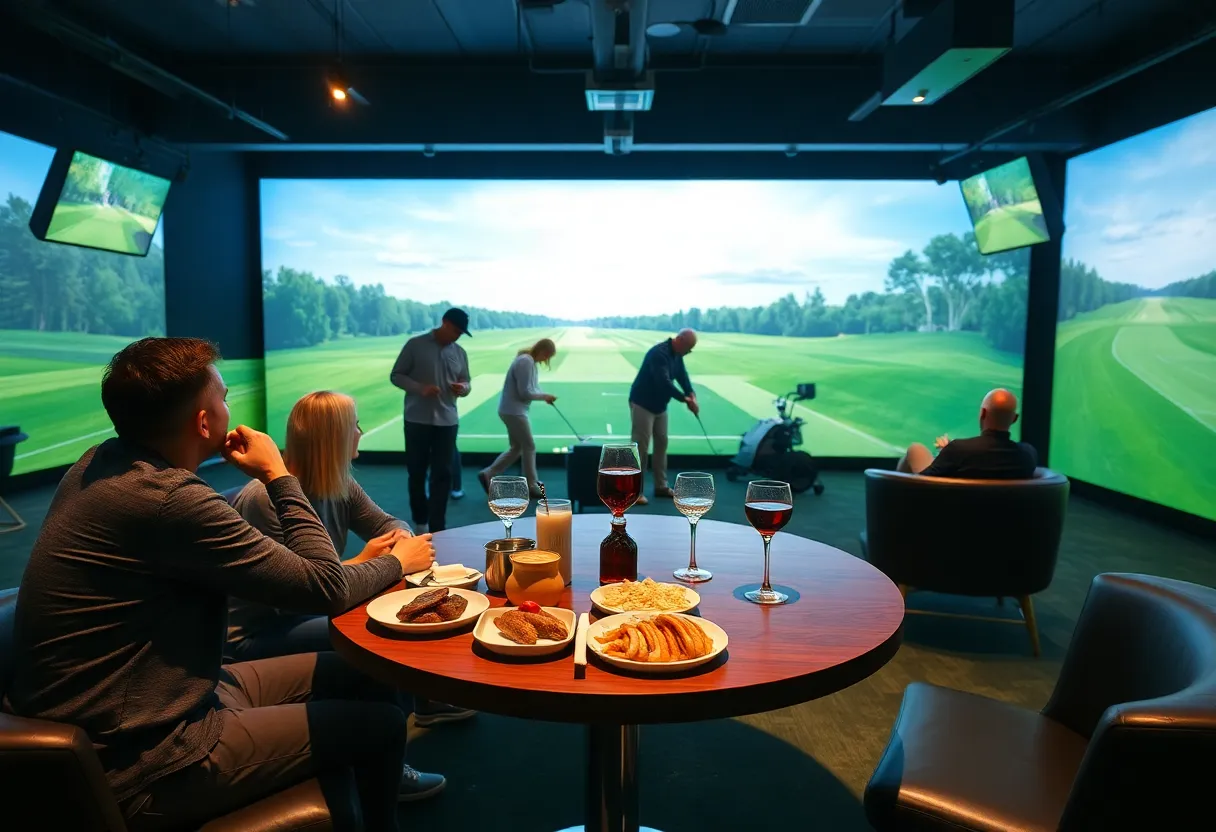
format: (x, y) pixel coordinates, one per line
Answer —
(52, 389)
(100, 226)
(877, 393)
(1134, 407)
(1011, 226)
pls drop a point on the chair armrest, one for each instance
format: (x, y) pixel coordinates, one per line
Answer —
(37, 756)
(317, 805)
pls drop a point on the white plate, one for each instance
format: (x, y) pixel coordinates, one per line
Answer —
(597, 598)
(470, 582)
(602, 626)
(383, 610)
(487, 633)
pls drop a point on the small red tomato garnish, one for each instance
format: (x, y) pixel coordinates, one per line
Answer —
(529, 606)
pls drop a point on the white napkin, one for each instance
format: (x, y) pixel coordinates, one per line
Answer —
(452, 574)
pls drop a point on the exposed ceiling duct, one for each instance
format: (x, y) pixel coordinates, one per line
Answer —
(952, 43)
(770, 12)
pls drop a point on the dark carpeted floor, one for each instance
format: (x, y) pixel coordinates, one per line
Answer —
(799, 768)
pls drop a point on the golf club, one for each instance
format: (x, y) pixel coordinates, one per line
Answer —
(577, 435)
(712, 449)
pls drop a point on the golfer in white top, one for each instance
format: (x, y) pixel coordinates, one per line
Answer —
(519, 390)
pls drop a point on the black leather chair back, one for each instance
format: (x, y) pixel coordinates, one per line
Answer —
(8, 610)
(966, 537)
(1139, 681)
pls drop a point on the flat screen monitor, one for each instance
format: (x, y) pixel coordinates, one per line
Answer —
(90, 202)
(1009, 207)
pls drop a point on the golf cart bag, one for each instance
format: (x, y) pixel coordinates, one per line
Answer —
(768, 449)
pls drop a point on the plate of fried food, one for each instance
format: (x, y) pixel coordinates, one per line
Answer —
(427, 610)
(644, 596)
(663, 643)
(526, 630)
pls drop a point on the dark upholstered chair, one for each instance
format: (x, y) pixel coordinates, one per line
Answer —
(1126, 741)
(967, 537)
(50, 778)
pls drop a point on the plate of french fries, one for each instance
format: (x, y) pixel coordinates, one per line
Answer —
(644, 596)
(662, 643)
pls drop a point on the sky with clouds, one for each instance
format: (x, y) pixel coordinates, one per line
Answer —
(587, 248)
(23, 167)
(1143, 210)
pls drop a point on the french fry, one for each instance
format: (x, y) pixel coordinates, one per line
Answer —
(636, 643)
(653, 640)
(610, 636)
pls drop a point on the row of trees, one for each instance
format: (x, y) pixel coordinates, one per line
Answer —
(1203, 286)
(301, 310)
(58, 288)
(93, 180)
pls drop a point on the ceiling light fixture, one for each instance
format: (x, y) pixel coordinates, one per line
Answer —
(705, 26)
(920, 97)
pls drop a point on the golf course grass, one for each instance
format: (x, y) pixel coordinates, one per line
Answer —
(100, 226)
(876, 393)
(52, 389)
(1011, 226)
(1134, 407)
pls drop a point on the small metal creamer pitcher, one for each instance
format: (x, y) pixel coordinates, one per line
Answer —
(498, 560)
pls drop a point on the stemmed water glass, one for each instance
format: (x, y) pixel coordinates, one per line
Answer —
(508, 498)
(769, 505)
(694, 496)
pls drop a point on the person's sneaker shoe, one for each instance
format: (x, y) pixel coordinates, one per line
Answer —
(427, 713)
(484, 479)
(642, 500)
(418, 785)
(664, 492)
(458, 494)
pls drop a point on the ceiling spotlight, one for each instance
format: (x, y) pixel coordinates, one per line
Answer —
(706, 26)
(920, 97)
(663, 30)
(341, 92)
(338, 93)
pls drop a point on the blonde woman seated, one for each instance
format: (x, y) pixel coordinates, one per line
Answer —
(519, 390)
(322, 438)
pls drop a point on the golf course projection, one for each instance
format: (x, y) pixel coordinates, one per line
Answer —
(1005, 208)
(64, 312)
(873, 290)
(1134, 407)
(107, 206)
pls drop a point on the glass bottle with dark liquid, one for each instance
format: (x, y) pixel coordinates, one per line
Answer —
(618, 555)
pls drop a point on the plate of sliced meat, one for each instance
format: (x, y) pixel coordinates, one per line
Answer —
(427, 610)
(514, 631)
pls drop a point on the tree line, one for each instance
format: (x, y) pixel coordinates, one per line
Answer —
(1203, 286)
(51, 287)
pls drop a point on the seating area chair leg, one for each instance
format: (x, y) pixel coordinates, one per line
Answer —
(1032, 626)
(14, 525)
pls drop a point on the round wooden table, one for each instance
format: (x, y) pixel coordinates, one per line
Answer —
(843, 622)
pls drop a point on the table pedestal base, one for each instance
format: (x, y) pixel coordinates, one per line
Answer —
(612, 780)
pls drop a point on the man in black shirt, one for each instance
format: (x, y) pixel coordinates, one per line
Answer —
(653, 388)
(992, 455)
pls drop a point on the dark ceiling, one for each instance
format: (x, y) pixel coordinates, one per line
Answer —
(458, 73)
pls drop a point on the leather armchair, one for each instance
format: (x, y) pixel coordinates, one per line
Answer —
(967, 537)
(50, 778)
(1126, 741)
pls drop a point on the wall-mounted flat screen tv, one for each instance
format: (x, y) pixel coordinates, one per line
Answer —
(90, 202)
(1011, 207)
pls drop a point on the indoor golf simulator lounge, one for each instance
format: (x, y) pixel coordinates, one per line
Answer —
(609, 415)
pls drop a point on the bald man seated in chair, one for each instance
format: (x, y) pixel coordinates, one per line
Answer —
(992, 455)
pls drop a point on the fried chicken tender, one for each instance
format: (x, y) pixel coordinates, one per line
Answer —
(547, 625)
(452, 607)
(516, 627)
(422, 603)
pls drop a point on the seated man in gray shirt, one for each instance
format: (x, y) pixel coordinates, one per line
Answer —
(121, 614)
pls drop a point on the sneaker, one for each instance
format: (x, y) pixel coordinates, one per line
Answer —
(642, 500)
(664, 492)
(418, 785)
(427, 713)
(458, 494)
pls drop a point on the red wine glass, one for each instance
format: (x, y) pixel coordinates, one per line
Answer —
(769, 505)
(620, 478)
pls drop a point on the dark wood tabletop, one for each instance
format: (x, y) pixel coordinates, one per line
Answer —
(843, 623)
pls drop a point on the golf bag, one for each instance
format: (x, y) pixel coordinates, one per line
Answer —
(582, 474)
(768, 449)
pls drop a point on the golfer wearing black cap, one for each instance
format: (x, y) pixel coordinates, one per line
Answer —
(433, 370)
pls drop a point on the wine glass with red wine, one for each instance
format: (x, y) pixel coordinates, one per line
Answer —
(769, 505)
(620, 478)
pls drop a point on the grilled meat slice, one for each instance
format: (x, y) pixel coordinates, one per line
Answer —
(422, 603)
(547, 625)
(428, 617)
(452, 607)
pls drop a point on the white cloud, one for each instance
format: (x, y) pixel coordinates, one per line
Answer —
(300, 243)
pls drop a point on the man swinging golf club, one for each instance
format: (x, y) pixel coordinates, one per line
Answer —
(661, 378)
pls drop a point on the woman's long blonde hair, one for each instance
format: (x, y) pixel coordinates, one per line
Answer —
(544, 346)
(320, 431)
